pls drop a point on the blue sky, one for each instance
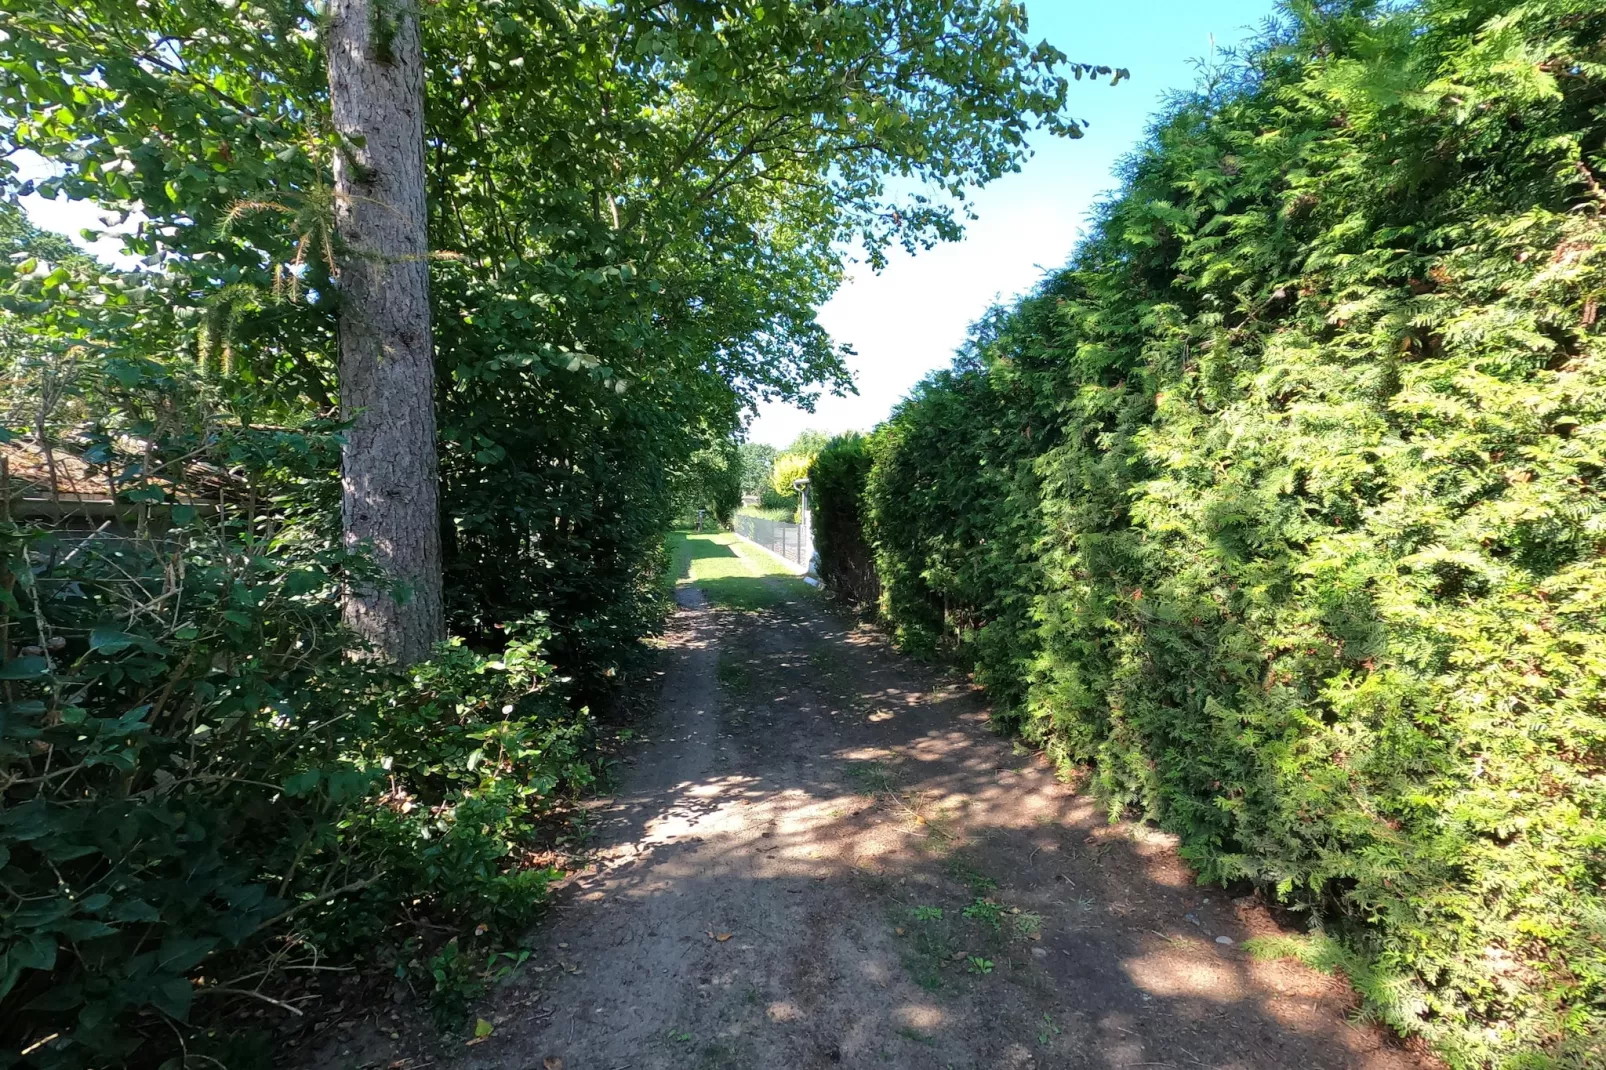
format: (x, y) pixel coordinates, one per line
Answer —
(907, 320)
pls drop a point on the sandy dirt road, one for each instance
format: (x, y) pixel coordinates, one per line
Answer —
(820, 856)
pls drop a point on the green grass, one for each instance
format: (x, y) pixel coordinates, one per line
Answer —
(733, 674)
(873, 778)
(961, 870)
(732, 573)
(985, 911)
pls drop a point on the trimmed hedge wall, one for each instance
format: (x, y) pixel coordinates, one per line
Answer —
(1279, 509)
(836, 484)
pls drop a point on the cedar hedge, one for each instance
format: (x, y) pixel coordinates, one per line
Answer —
(1279, 508)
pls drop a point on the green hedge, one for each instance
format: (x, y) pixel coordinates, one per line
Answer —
(836, 488)
(1280, 507)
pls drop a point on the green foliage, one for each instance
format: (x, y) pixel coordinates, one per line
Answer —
(1280, 507)
(789, 468)
(985, 911)
(204, 794)
(712, 482)
(808, 442)
(781, 515)
(773, 502)
(757, 460)
(203, 797)
(837, 481)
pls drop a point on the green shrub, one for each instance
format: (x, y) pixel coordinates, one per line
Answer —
(711, 482)
(199, 804)
(1280, 506)
(201, 795)
(788, 469)
(771, 501)
(781, 514)
(836, 494)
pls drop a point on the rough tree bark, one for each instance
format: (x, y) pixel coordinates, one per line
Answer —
(390, 492)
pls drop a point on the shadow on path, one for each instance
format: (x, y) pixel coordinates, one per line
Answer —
(821, 857)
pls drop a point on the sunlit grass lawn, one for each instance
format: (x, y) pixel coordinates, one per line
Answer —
(732, 573)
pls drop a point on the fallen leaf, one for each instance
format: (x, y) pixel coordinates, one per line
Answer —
(900, 932)
(482, 1028)
(722, 937)
(552, 1062)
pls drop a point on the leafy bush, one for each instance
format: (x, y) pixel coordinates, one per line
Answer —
(789, 468)
(837, 481)
(1280, 506)
(713, 482)
(773, 502)
(201, 797)
(780, 514)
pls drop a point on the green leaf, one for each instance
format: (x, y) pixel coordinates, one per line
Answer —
(29, 668)
(106, 639)
(77, 929)
(183, 953)
(34, 951)
(173, 997)
(134, 910)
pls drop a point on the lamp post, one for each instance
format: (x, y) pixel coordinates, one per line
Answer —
(805, 526)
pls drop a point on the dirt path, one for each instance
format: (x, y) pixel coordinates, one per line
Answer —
(822, 858)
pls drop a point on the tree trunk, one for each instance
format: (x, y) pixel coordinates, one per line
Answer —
(389, 482)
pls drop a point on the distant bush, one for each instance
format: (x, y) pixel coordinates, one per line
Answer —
(789, 468)
(1280, 509)
(713, 483)
(837, 482)
(771, 501)
(783, 514)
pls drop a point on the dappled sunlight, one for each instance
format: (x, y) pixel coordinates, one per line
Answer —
(783, 1011)
(1184, 969)
(730, 574)
(920, 1016)
(838, 866)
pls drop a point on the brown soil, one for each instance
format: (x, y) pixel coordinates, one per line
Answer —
(822, 857)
